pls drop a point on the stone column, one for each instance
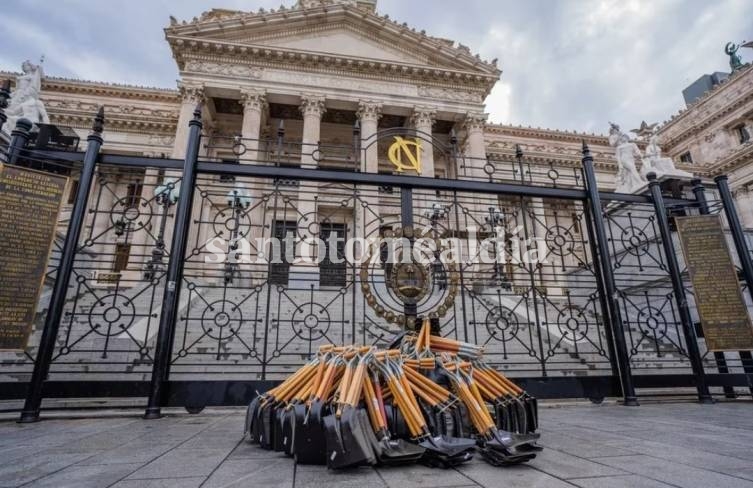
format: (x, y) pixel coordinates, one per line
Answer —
(191, 95)
(475, 153)
(423, 120)
(367, 224)
(474, 159)
(254, 104)
(744, 204)
(369, 114)
(312, 108)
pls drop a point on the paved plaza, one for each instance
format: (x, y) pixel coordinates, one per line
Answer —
(658, 445)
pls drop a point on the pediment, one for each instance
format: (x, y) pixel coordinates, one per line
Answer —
(339, 30)
(343, 41)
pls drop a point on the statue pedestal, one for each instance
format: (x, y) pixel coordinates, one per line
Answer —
(672, 186)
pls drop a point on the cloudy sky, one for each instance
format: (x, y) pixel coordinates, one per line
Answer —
(567, 64)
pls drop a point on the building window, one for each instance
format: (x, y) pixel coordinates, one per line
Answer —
(72, 192)
(743, 134)
(134, 194)
(122, 254)
(686, 158)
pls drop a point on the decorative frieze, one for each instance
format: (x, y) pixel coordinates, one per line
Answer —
(224, 69)
(451, 94)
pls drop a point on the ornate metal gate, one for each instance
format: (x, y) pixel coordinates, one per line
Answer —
(161, 287)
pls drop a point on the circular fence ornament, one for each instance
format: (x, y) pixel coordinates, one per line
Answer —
(389, 287)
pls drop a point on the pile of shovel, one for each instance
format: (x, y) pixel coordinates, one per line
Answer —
(428, 399)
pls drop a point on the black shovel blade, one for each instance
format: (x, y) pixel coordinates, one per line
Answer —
(532, 413)
(288, 429)
(251, 414)
(499, 457)
(346, 444)
(309, 446)
(267, 420)
(446, 452)
(278, 438)
(399, 452)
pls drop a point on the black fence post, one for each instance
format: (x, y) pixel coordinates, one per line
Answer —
(743, 253)
(4, 96)
(609, 289)
(703, 208)
(18, 140)
(174, 274)
(681, 299)
(30, 412)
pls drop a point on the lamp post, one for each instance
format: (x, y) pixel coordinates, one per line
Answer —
(494, 220)
(435, 213)
(166, 195)
(238, 200)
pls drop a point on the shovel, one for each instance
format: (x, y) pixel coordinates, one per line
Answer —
(347, 444)
(439, 450)
(390, 452)
(308, 432)
(496, 446)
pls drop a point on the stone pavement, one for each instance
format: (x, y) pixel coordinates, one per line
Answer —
(659, 445)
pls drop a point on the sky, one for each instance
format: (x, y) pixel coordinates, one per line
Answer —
(567, 64)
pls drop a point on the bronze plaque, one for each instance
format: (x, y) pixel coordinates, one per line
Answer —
(724, 316)
(29, 208)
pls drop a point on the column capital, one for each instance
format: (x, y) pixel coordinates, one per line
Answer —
(253, 99)
(474, 121)
(193, 94)
(423, 116)
(312, 105)
(369, 111)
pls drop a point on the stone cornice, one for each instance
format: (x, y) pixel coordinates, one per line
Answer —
(97, 88)
(227, 22)
(693, 116)
(732, 161)
(546, 134)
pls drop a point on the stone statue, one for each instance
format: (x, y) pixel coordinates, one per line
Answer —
(628, 179)
(653, 162)
(24, 101)
(735, 63)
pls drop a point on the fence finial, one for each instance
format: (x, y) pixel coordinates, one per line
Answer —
(586, 150)
(99, 120)
(197, 111)
(4, 94)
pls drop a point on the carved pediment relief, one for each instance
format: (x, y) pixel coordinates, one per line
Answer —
(340, 31)
(343, 41)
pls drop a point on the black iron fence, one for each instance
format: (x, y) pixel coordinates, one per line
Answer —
(146, 308)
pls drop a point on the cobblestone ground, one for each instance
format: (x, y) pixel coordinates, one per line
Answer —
(660, 445)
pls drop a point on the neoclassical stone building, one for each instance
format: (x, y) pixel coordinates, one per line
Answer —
(302, 86)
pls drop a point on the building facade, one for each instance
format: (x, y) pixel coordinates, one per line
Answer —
(326, 84)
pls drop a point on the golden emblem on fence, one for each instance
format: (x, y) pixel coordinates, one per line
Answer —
(405, 154)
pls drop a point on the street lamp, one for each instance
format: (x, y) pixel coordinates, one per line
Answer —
(239, 200)
(165, 195)
(495, 219)
(435, 213)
